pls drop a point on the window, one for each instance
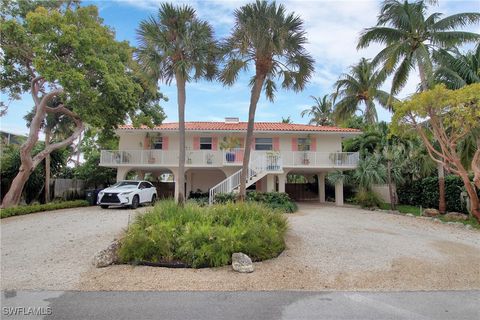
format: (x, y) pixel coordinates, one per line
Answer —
(158, 143)
(263, 144)
(206, 143)
(303, 144)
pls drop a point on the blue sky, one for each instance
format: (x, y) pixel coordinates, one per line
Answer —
(332, 30)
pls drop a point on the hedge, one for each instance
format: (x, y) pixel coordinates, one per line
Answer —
(424, 193)
(274, 200)
(21, 210)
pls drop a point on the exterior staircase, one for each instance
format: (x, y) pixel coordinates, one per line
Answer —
(259, 167)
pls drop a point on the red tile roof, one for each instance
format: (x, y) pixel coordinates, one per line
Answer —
(241, 126)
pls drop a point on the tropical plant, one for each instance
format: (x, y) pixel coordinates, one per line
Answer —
(451, 116)
(410, 38)
(360, 86)
(455, 69)
(273, 40)
(287, 120)
(64, 53)
(321, 113)
(177, 45)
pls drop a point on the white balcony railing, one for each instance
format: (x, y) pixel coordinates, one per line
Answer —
(210, 158)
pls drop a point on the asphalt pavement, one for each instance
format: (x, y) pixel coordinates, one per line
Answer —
(139, 305)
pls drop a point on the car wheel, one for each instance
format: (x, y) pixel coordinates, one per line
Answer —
(135, 202)
(154, 199)
(104, 207)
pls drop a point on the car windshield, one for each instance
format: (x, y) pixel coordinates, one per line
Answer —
(125, 183)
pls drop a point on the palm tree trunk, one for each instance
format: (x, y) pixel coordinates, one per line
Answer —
(255, 96)
(442, 205)
(47, 166)
(181, 96)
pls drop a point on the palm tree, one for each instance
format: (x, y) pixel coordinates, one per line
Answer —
(177, 45)
(410, 38)
(321, 113)
(287, 120)
(457, 70)
(360, 86)
(268, 38)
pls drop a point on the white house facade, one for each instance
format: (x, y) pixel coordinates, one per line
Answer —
(214, 154)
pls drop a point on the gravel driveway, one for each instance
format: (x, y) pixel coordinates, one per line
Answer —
(328, 248)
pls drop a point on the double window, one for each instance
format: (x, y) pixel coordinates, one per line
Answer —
(206, 143)
(263, 144)
(303, 144)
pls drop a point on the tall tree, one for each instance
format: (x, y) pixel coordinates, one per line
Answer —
(321, 113)
(451, 116)
(455, 69)
(271, 40)
(360, 86)
(175, 44)
(410, 37)
(64, 53)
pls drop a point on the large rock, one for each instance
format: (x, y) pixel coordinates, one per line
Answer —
(430, 213)
(456, 216)
(242, 263)
(107, 256)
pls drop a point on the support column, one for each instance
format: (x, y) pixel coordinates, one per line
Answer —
(270, 183)
(141, 175)
(282, 179)
(122, 173)
(188, 180)
(321, 187)
(177, 189)
(339, 193)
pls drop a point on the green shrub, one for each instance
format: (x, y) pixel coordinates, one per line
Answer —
(424, 193)
(368, 199)
(20, 210)
(274, 200)
(204, 236)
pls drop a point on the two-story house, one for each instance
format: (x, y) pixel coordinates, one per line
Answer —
(214, 154)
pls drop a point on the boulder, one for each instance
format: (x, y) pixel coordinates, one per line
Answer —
(242, 263)
(107, 256)
(456, 216)
(430, 212)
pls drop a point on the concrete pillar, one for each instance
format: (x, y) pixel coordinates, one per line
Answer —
(175, 177)
(140, 175)
(321, 187)
(339, 193)
(282, 179)
(122, 173)
(270, 182)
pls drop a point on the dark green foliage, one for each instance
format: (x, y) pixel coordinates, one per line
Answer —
(21, 210)
(274, 200)
(424, 193)
(204, 236)
(10, 163)
(368, 199)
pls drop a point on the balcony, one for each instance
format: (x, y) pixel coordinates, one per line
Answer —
(210, 158)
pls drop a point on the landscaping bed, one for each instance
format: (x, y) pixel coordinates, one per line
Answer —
(274, 200)
(203, 236)
(21, 210)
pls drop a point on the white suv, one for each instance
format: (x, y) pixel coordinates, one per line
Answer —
(127, 193)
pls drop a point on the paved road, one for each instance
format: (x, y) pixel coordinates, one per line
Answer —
(436, 305)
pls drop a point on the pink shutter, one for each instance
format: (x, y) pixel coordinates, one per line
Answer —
(313, 144)
(196, 143)
(214, 143)
(294, 144)
(276, 144)
(146, 143)
(165, 143)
